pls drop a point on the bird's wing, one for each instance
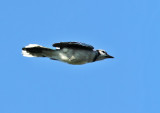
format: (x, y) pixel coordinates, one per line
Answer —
(73, 44)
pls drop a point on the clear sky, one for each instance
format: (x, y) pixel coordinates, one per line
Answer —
(127, 29)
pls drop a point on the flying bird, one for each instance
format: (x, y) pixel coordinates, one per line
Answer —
(75, 53)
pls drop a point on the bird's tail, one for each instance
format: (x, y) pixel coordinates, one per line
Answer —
(34, 50)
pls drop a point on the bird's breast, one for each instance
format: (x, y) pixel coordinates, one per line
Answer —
(75, 56)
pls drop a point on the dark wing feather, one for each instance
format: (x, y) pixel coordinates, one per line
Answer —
(73, 44)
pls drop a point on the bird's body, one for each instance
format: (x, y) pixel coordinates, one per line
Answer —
(74, 56)
(75, 53)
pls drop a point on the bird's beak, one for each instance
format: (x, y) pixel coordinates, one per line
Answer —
(109, 56)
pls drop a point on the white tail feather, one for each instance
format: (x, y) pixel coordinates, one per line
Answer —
(33, 45)
(35, 50)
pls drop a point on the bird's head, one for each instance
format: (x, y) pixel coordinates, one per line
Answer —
(102, 54)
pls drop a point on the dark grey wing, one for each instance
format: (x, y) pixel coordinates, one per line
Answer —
(73, 45)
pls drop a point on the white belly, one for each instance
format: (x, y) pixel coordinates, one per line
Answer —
(75, 57)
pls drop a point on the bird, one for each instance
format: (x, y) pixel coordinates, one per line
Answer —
(75, 53)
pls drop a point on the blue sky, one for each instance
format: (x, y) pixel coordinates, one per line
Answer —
(127, 29)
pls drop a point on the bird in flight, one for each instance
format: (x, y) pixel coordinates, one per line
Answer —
(75, 53)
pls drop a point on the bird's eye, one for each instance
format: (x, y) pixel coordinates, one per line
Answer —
(104, 52)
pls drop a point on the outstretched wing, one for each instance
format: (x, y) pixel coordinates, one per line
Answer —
(73, 44)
